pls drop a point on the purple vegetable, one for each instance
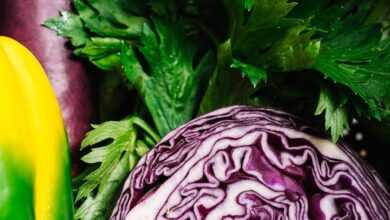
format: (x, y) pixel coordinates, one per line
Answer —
(21, 20)
(250, 163)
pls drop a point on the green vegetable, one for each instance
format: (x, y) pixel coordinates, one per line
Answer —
(160, 47)
(170, 83)
(336, 116)
(360, 61)
(262, 32)
(69, 25)
(255, 74)
(224, 82)
(115, 147)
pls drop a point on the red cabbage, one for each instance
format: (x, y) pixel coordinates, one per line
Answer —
(251, 163)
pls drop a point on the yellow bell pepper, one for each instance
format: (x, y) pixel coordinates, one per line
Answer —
(35, 179)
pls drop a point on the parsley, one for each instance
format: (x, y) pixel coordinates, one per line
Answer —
(255, 74)
(115, 147)
(262, 32)
(336, 116)
(160, 47)
(68, 25)
(354, 54)
(171, 87)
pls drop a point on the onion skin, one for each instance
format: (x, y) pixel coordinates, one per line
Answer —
(246, 163)
(21, 20)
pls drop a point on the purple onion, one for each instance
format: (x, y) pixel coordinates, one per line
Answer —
(249, 163)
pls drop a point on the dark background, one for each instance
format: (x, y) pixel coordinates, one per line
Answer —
(372, 141)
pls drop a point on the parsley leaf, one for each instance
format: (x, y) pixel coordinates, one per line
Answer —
(103, 52)
(98, 30)
(354, 55)
(261, 39)
(157, 45)
(108, 18)
(68, 25)
(226, 88)
(360, 61)
(336, 116)
(263, 35)
(171, 87)
(255, 74)
(158, 57)
(226, 82)
(116, 148)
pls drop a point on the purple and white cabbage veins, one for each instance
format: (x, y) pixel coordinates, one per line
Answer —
(250, 163)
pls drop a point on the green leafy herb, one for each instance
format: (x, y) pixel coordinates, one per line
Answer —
(170, 84)
(354, 54)
(109, 18)
(263, 34)
(165, 49)
(255, 74)
(103, 52)
(68, 25)
(336, 116)
(116, 147)
(360, 61)
(98, 30)
(227, 82)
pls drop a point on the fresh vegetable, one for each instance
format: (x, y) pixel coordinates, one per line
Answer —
(251, 163)
(129, 139)
(22, 21)
(329, 59)
(35, 180)
(168, 78)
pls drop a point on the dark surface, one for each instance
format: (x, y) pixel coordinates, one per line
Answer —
(21, 20)
(371, 141)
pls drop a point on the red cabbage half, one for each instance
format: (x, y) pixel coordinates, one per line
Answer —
(249, 163)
